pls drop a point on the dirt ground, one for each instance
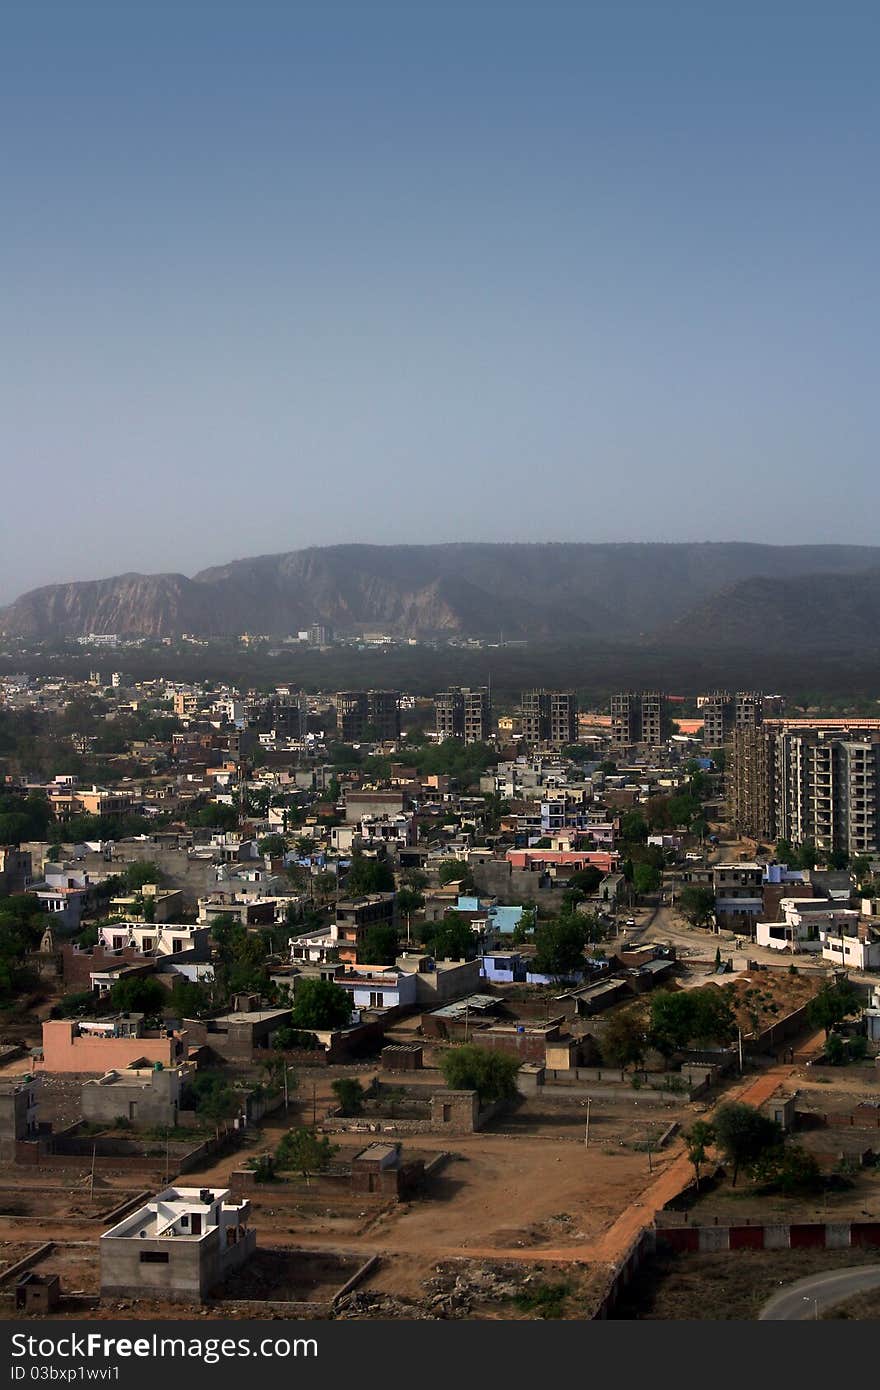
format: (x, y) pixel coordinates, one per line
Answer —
(717, 1288)
(765, 997)
(291, 1276)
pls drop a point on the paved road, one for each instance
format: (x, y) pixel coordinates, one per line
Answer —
(802, 1300)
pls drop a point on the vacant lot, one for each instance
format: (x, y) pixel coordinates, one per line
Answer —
(716, 1288)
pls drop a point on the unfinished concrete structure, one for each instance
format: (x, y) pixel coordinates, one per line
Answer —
(141, 1095)
(178, 1247)
(18, 1113)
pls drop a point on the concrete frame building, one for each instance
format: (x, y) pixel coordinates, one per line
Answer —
(178, 1247)
(809, 781)
(638, 718)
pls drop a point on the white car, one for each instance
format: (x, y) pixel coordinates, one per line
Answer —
(630, 922)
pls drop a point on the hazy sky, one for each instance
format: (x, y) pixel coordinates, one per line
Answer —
(274, 275)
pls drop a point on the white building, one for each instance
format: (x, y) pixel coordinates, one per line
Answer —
(179, 1246)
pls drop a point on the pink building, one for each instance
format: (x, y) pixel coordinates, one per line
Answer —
(605, 860)
(99, 1046)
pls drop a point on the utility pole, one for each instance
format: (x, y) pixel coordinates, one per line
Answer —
(650, 1160)
(314, 1104)
(587, 1129)
(286, 1097)
(92, 1175)
(739, 1038)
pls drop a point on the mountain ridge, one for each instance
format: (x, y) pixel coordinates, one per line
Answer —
(542, 590)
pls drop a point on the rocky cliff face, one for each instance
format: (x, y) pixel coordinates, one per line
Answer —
(540, 591)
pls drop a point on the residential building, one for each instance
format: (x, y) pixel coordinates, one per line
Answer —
(354, 918)
(368, 714)
(108, 1044)
(464, 713)
(477, 715)
(739, 896)
(18, 1112)
(16, 868)
(548, 717)
(140, 1095)
(179, 1246)
(449, 714)
(809, 781)
(638, 718)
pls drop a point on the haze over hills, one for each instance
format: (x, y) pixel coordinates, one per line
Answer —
(717, 593)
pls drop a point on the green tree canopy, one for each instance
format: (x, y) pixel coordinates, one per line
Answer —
(139, 995)
(559, 947)
(304, 1151)
(832, 1004)
(452, 938)
(624, 1038)
(744, 1135)
(470, 1068)
(368, 876)
(379, 945)
(696, 904)
(320, 1005)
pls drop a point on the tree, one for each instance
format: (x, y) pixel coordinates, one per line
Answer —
(409, 900)
(189, 999)
(835, 1050)
(368, 876)
(320, 1005)
(213, 1097)
(273, 845)
(454, 871)
(380, 944)
(139, 995)
(787, 1168)
(646, 879)
(831, 1005)
(305, 1152)
(559, 947)
(524, 928)
(682, 1016)
(470, 1068)
(699, 1138)
(696, 904)
(136, 875)
(241, 958)
(452, 938)
(350, 1095)
(633, 827)
(713, 1018)
(672, 1018)
(624, 1039)
(744, 1135)
(587, 880)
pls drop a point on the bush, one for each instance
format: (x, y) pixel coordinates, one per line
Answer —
(350, 1094)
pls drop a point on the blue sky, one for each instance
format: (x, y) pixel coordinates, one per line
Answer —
(275, 275)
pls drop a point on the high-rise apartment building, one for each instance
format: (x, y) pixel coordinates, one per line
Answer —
(449, 713)
(477, 715)
(549, 716)
(563, 718)
(463, 713)
(363, 713)
(638, 717)
(383, 714)
(809, 781)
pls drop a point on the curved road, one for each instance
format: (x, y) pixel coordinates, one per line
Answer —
(806, 1298)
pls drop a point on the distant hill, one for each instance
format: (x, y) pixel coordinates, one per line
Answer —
(541, 591)
(809, 612)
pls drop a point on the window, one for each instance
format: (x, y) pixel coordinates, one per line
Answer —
(154, 1257)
